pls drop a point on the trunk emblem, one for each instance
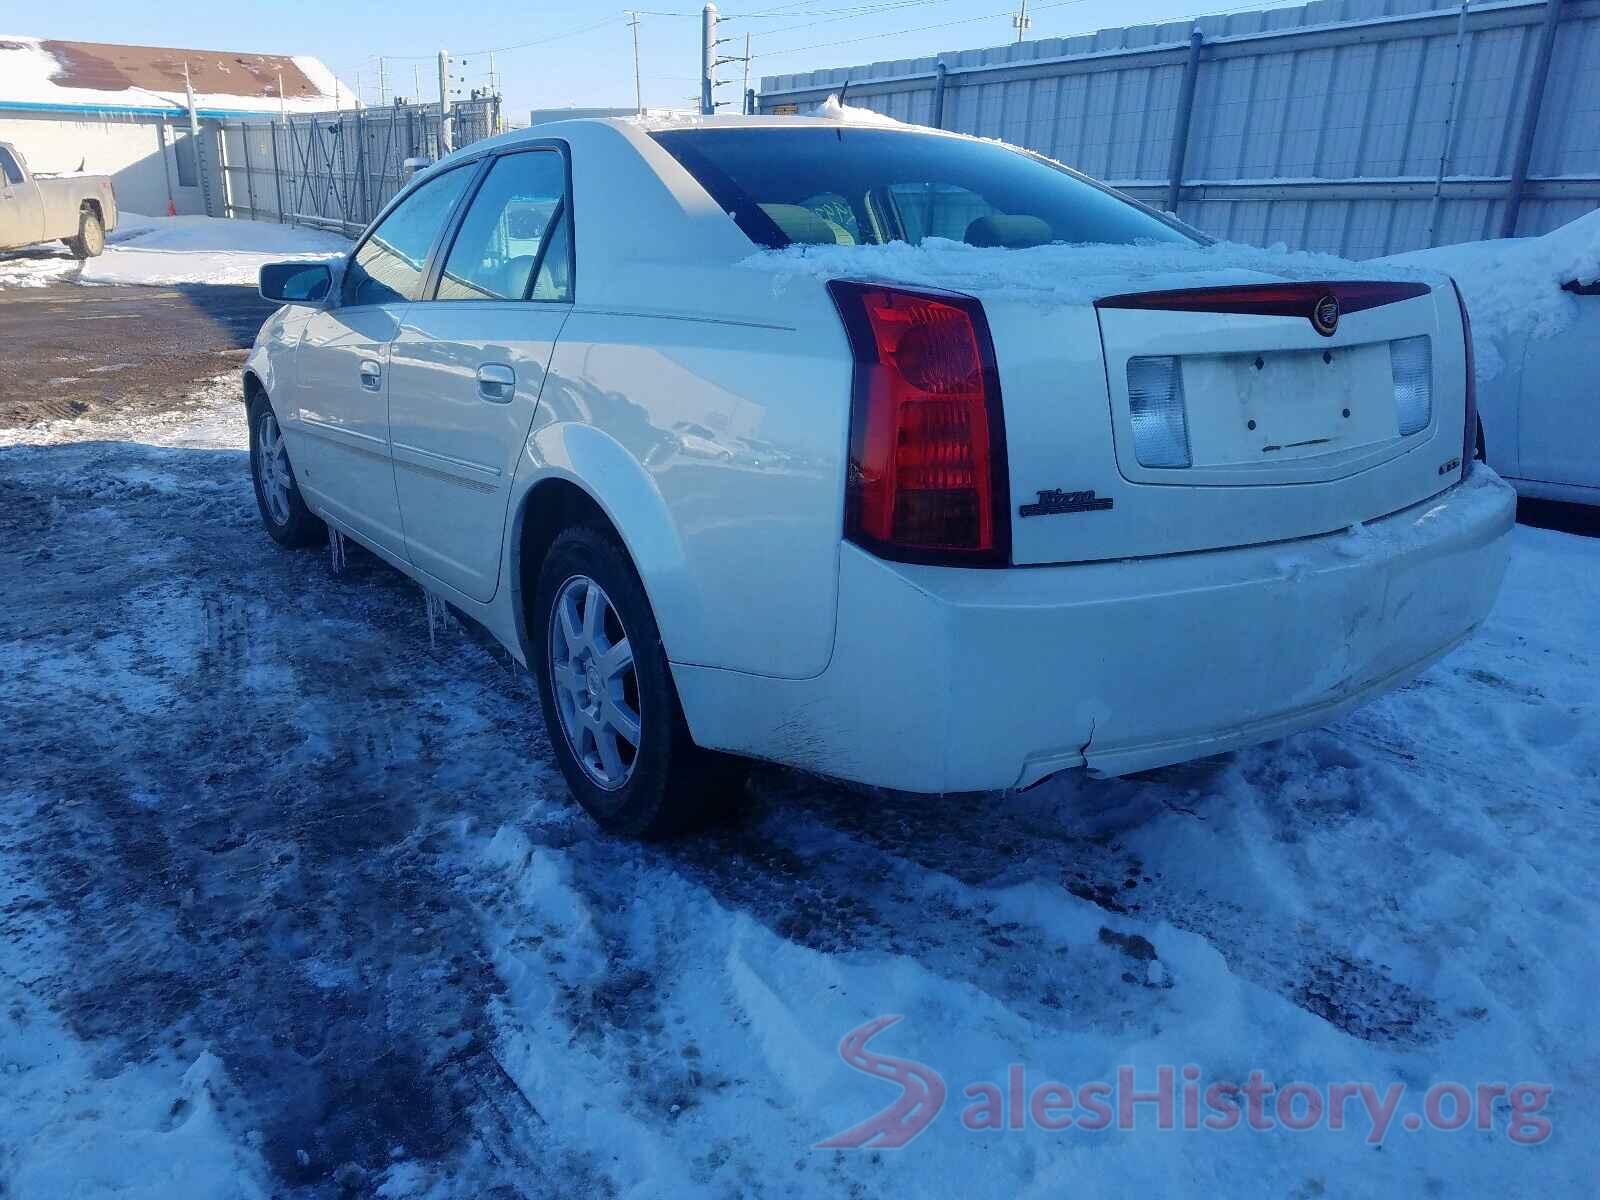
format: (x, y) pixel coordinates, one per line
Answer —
(1325, 315)
(1055, 501)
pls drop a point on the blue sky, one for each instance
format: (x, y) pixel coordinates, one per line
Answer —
(582, 52)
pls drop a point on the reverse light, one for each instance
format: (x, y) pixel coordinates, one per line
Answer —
(1160, 420)
(928, 476)
(1411, 365)
(1469, 431)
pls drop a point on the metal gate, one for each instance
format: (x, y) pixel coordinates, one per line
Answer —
(337, 170)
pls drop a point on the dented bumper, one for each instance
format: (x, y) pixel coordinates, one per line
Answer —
(957, 680)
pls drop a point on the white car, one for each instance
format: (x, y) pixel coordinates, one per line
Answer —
(1536, 303)
(914, 538)
(1540, 415)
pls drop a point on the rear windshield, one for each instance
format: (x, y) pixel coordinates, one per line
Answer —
(852, 186)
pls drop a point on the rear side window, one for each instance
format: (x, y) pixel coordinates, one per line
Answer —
(509, 237)
(848, 186)
(8, 165)
(389, 266)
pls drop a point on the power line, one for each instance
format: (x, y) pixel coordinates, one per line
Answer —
(916, 29)
(850, 14)
(554, 37)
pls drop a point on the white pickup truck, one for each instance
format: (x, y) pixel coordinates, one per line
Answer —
(78, 209)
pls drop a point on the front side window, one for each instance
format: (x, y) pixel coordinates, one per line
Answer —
(8, 165)
(512, 243)
(388, 267)
(850, 185)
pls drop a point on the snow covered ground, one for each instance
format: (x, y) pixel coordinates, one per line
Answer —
(172, 250)
(292, 902)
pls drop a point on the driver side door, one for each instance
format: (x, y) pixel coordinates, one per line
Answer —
(347, 461)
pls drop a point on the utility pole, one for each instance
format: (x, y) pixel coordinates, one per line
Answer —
(745, 90)
(283, 106)
(638, 88)
(444, 103)
(416, 83)
(1021, 21)
(383, 83)
(708, 59)
(194, 142)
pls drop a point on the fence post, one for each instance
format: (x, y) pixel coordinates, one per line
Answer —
(1449, 124)
(1530, 120)
(361, 166)
(1180, 121)
(941, 77)
(277, 175)
(249, 170)
(222, 160)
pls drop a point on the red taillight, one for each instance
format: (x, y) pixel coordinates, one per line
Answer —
(927, 478)
(1469, 431)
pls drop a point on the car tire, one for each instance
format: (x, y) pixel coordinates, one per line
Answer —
(588, 601)
(283, 510)
(91, 239)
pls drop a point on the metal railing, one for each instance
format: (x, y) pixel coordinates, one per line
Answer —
(337, 170)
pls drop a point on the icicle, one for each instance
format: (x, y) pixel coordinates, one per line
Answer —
(439, 619)
(336, 550)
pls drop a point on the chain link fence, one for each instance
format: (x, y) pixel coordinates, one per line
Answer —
(337, 170)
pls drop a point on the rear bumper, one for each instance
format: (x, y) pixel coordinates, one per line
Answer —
(961, 680)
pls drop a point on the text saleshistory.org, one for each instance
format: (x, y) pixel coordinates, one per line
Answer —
(1179, 1099)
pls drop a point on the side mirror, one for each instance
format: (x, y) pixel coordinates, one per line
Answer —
(296, 282)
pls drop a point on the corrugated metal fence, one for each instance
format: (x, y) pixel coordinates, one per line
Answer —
(336, 170)
(1324, 127)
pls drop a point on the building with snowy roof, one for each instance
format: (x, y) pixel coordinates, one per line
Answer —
(123, 111)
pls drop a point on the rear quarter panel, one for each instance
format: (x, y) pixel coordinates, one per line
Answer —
(717, 446)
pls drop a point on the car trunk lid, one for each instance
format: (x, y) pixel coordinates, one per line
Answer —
(1305, 408)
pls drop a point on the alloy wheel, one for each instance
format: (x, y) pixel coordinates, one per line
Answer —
(272, 468)
(594, 681)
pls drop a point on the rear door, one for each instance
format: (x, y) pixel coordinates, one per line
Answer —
(468, 364)
(1559, 427)
(21, 208)
(345, 461)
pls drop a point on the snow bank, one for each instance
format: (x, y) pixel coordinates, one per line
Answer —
(1057, 274)
(173, 250)
(1513, 286)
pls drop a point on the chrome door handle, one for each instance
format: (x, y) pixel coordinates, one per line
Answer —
(496, 382)
(371, 374)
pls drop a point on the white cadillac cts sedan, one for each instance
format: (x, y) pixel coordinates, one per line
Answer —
(925, 539)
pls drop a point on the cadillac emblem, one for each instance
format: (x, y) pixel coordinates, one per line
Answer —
(1325, 315)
